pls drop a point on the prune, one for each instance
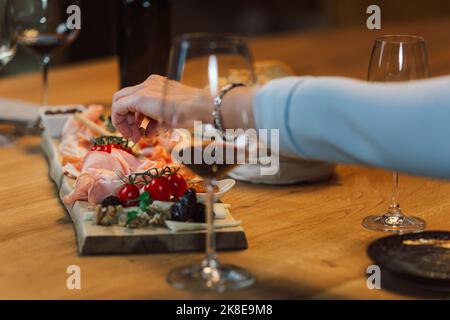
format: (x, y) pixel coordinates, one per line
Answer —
(189, 197)
(199, 213)
(187, 208)
(180, 212)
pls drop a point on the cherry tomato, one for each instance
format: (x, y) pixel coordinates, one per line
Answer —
(108, 147)
(116, 146)
(159, 189)
(103, 148)
(178, 184)
(129, 192)
(119, 147)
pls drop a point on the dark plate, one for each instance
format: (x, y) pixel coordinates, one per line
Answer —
(426, 265)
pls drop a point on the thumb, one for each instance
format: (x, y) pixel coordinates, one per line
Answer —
(151, 127)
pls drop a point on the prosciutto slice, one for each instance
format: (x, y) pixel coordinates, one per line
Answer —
(116, 161)
(99, 175)
(93, 186)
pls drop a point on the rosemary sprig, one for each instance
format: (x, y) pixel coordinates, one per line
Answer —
(105, 140)
(156, 173)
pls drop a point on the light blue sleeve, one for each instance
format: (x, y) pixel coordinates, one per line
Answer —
(399, 126)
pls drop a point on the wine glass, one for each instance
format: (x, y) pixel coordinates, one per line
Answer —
(42, 26)
(7, 52)
(206, 63)
(397, 58)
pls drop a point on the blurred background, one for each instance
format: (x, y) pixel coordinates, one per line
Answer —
(255, 18)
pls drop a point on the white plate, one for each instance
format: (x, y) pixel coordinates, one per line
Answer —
(224, 186)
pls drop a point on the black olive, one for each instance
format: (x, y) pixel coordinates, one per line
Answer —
(180, 212)
(189, 197)
(199, 213)
(111, 201)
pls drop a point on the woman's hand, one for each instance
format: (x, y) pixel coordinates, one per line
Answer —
(131, 105)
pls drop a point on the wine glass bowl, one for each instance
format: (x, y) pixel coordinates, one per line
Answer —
(203, 64)
(397, 58)
(41, 27)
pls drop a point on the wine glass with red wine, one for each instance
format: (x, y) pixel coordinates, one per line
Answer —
(42, 27)
(206, 63)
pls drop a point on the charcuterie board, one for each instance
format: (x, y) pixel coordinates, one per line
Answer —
(97, 239)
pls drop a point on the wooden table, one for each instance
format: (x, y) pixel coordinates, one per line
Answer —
(305, 241)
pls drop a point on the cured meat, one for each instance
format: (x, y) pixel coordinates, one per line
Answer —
(93, 186)
(117, 160)
(75, 128)
(100, 171)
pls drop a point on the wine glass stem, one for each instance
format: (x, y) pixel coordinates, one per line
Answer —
(394, 208)
(211, 257)
(45, 65)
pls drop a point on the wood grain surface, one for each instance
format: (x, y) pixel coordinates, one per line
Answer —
(305, 241)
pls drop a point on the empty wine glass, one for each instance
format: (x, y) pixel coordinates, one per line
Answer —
(397, 58)
(206, 63)
(7, 52)
(42, 26)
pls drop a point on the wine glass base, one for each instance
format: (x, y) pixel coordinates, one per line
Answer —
(220, 279)
(7, 141)
(407, 225)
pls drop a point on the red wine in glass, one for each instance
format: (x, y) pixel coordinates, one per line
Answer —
(44, 44)
(217, 165)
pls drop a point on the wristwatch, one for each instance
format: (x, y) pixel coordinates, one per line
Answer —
(217, 115)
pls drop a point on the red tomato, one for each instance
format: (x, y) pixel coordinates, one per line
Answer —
(103, 148)
(159, 189)
(116, 146)
(108, 147)
(178, 184)
(129, 192)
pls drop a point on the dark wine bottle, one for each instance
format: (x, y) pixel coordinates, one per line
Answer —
(144, 39)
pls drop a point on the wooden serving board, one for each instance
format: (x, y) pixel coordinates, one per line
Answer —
(95, 239)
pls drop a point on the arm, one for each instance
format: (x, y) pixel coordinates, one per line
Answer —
(401, 126)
